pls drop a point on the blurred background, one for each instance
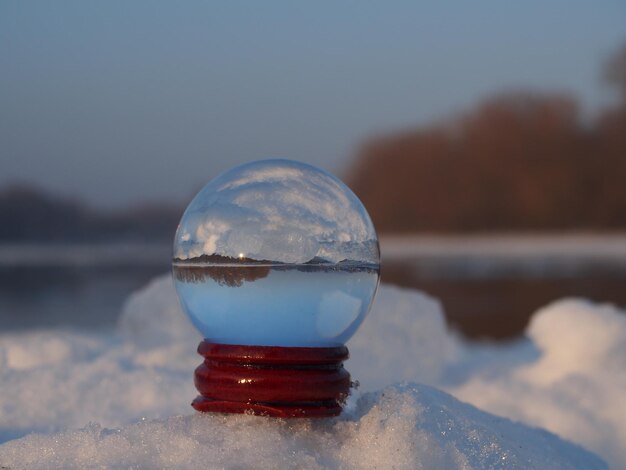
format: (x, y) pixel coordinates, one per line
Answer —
(487, 141)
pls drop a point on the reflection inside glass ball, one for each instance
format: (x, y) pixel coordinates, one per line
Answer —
(276, 253)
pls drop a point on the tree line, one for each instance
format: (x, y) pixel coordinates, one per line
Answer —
(518, 162)
(28, 214)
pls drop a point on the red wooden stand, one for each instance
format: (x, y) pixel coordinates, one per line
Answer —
(285, 382)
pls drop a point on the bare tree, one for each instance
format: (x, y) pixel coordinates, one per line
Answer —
(615, 71)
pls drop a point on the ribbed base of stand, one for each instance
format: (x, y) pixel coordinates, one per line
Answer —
(276, 381)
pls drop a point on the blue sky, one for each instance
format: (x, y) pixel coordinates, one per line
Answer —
(121, 102)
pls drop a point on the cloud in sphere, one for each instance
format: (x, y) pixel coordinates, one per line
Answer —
(277, 210)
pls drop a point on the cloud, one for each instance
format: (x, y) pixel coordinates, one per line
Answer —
(264, 175)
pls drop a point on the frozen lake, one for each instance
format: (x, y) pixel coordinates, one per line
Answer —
(490, 285)
(78, 286)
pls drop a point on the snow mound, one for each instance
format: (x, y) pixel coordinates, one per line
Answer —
(404, 338)
(567, 376)
(152, 317)
(410, 426)
(52, 380)
(574, 386)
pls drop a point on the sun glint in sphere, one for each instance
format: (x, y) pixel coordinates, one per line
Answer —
(276, 253)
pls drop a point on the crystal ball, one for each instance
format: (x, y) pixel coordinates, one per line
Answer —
(276, 253)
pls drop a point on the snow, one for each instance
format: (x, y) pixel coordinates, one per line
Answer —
(567, 376)
(574, 387)
(405, 427)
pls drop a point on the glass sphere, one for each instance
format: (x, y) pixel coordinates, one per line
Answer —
(276, 253)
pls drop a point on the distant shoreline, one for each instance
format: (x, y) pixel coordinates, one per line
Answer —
(434, 256)
(607, 246)
(84, 255)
